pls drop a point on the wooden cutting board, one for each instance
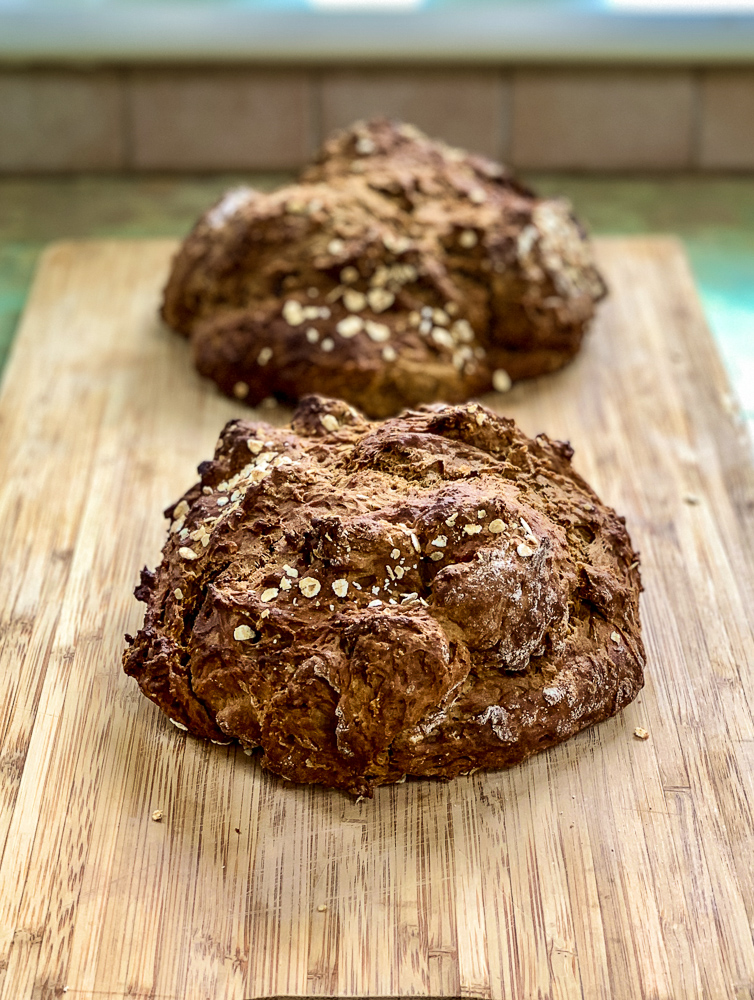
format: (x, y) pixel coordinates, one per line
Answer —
(605, 868)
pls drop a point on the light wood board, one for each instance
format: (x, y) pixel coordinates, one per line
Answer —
(605, 868)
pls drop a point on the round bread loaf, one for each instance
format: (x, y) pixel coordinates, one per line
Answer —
(399, 271)
(424, 596)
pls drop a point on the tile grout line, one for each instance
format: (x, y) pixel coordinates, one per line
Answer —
(315, 111)
(697, 113)
(514, 77)
(505, 80)
(127, 124)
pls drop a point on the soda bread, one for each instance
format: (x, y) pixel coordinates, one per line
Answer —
(423, 596)
(398, 271)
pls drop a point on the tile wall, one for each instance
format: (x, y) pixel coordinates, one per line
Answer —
(207, 119)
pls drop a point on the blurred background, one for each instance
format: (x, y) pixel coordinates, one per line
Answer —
(127, 117)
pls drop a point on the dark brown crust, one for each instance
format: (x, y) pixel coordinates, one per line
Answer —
(455, 271)
(507, 597)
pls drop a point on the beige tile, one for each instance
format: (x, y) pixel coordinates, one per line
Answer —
(466, 108)
(220, 119)
(603, 119)
(60, 120)
(726, 139)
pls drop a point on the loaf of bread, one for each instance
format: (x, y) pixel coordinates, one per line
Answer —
(424, 596)
(398, 271)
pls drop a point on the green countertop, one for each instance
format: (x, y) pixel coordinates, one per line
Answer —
(713, 216)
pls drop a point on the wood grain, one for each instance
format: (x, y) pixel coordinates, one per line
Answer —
(606, 868)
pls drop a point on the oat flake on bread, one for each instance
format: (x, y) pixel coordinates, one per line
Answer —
(341, 616)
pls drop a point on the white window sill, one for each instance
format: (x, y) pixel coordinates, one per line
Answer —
(482, 32)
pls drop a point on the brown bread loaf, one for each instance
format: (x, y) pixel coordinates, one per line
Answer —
(398, 271)
(424, 596)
